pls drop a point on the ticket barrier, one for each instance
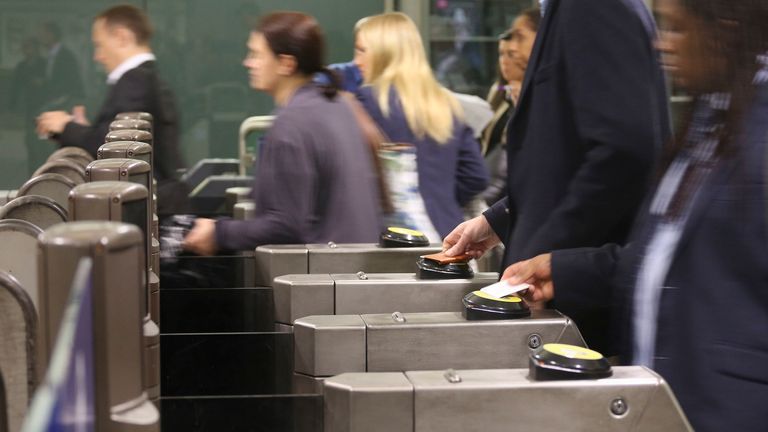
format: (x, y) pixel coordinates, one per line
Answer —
(205, 168)
(51, 185)
(140, 172)
(18, 253)
(298, 296)
(236, 195)
(331, 345)
(67, 167)
(76, 154)
(278, 260)
(17, 357)
(244, 210)
(126, 202)
(117, 277)
(131, 124)
(209, 196)
(40, 211)
(140, 115)
(632, 399)
(138, 151)
(7, 195)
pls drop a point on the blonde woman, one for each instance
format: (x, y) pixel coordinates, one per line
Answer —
(403, 97)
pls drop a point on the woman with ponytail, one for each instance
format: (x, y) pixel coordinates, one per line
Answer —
(690, 290)
(315, 179)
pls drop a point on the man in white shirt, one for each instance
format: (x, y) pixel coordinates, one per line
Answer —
(121, 37)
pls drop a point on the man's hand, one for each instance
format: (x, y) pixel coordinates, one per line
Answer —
(538, 273)
(52, 122)
(202, 239)
(473, 237)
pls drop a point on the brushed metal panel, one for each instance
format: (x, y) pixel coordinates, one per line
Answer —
(329, 345)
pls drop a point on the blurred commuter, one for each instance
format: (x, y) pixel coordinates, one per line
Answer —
(63, 87)
(409, 105)
(515, 47)
(315, 179)
(689, 289)
(26, 96)
(121, 39)
(583, 140)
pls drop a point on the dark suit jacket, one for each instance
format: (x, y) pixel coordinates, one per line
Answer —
(581, 142)
(450, 174)
(711, 343)
(139, 89)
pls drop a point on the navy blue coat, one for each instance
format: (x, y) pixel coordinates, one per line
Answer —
(712, 343)
(581, 143)
(450, 174)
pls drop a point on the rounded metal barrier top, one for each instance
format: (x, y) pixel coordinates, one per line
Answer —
(66, 167)
(51, 185)
(38, 210)
(127, 124)
(70, 152)
(129, 135)
(18, 253)
(134, 115)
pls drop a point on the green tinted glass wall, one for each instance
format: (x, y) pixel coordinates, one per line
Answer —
(200, 45)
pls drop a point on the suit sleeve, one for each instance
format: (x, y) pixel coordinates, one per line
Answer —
(131, 93)
(500, 218)
(471, 172)
(611, 85)
(286, 165)
(584, 291)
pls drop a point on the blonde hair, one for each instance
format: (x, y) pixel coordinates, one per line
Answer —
(397, 59)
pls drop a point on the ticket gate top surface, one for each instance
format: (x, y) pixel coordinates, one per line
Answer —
(328, 345)
(278, 260)
(633, 399)
(302, 295)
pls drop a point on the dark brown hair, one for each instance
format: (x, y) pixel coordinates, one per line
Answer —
(533, 15)
(298, 35)
(130, 17)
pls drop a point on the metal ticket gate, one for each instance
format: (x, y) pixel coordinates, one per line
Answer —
(633, 399)
(278, 260)
(125, 201)
(117, 252)
(298, 296)
(330, 345)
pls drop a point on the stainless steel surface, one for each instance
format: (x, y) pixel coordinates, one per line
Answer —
(444, 340)
(126, 149)
(423, 341)
(302, 295)
(327, 345)
(403, 292)
(500, 400)
(369, 258)
(51, 185)
(279, 260)
(66, 167)
(244, 210)
(18, 253)
(117, 280)
(305, 384)
(381, 402)
(496, 400)
(41, 211)
(235, 195)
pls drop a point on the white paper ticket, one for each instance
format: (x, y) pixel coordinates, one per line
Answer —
(503, 288)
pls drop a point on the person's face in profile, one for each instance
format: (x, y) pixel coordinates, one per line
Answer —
(522, 40)
(688, 47)
(262, 64)
(106, 45)
(508, 68)
(363, 59)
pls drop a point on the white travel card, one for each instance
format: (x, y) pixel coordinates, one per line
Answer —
(503, 288)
